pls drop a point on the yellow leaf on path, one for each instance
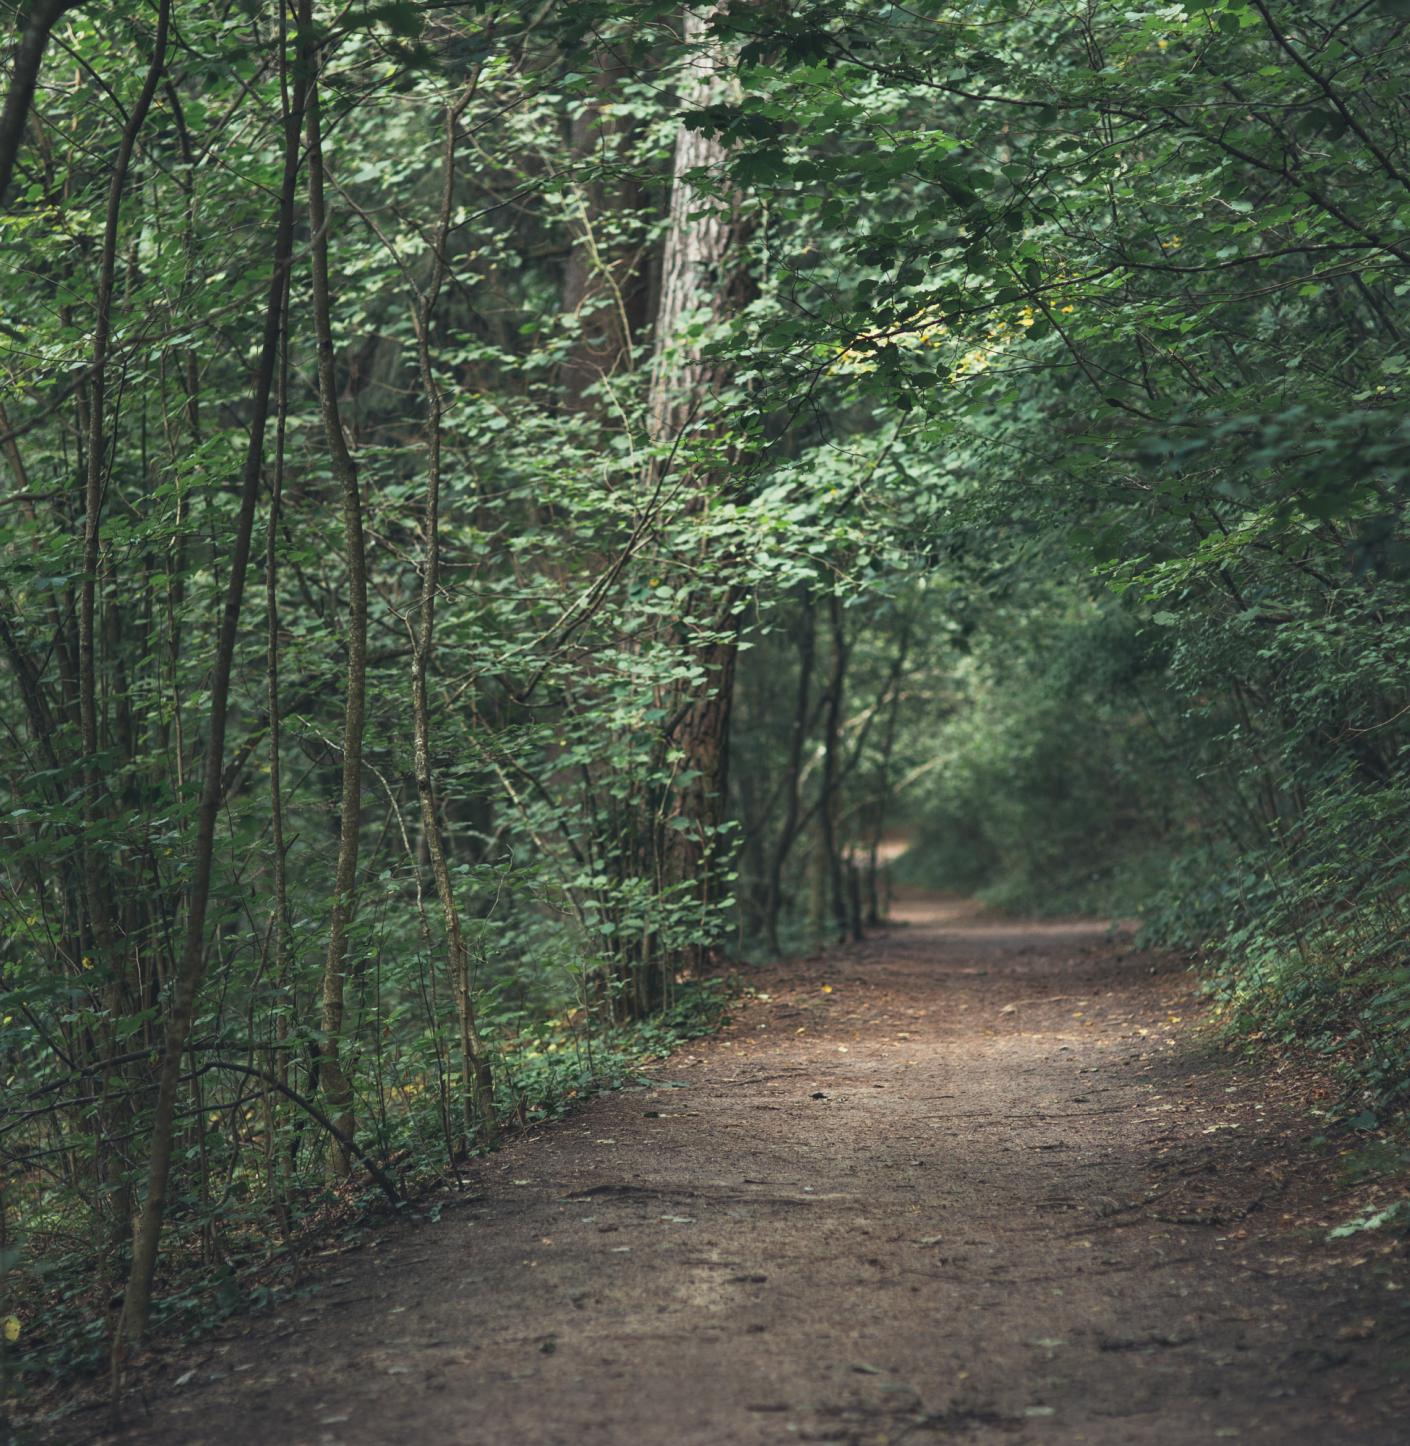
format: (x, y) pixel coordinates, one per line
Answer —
(12, 1328)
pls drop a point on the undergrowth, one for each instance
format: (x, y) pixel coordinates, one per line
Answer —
(58, 1325)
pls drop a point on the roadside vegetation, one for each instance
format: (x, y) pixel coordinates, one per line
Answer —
(505, 510)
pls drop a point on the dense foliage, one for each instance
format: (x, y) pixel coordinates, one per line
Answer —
(504, 507)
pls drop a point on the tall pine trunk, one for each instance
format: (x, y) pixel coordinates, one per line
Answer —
(703, 279)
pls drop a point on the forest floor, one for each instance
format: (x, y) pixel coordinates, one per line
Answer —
(973, 1180)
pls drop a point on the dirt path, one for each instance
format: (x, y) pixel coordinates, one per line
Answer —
(974, 1181)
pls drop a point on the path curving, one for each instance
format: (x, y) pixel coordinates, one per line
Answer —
(974, 1180)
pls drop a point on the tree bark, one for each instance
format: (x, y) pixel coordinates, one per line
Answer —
(702, 279)
(798, 737)
(43, 16)
(701, 274)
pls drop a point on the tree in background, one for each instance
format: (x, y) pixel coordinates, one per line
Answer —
(705, 284)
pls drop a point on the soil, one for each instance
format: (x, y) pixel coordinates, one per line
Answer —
(974, 1180)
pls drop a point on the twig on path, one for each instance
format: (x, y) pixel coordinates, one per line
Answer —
(765, 1078)
(990, 1115)
(1047, 999)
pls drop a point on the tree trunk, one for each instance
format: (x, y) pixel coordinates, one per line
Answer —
(477, 1084)
(876, 911)
(333, 1079)
(279, 844)
(43, 16)
(702, 278)
(696, 844)
(604, 288)
(98, 885)
(191, 967)
(827, 803)
(798, 737)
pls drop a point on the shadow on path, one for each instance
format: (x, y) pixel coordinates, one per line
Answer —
(974, 1180)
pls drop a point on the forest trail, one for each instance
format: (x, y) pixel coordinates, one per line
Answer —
(973, 1180)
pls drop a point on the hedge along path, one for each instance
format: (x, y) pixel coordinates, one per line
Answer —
(973, 1180)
